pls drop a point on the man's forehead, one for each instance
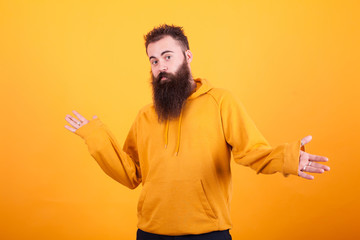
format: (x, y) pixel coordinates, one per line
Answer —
(166, 43)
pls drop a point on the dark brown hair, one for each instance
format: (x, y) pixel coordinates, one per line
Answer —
(164, 30)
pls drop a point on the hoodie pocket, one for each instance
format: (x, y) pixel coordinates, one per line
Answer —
(174, 203)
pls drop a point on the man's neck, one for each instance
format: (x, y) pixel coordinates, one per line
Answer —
(193, 85)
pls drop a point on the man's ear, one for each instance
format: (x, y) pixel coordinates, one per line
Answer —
(189, 56)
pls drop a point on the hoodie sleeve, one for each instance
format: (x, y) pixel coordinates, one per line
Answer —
(122, 165)
(249, 147)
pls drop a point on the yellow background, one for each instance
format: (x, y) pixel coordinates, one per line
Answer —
(294, 65)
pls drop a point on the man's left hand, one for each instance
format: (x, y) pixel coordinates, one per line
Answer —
(308, 162)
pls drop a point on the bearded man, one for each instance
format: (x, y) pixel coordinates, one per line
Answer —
(180, 146)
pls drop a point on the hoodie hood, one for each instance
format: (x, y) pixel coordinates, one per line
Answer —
(202, 87)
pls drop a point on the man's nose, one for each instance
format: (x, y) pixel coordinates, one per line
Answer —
(163, 67)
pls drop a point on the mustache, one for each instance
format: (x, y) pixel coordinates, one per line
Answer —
(163, 74)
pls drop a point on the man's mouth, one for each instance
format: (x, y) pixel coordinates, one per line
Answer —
(163, 77)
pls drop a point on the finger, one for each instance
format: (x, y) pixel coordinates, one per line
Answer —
(317, 158)
(95, 117)
(305, 140)
(320, 166)
(72, 118)
(306, 176)
(79, 116)
(313, 169)
(69, 128)
(72, 121)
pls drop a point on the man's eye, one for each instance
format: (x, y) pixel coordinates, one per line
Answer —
(168, 57)
(154, 62)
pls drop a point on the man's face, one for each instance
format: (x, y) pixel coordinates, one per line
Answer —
(170, 77)
(166, 55)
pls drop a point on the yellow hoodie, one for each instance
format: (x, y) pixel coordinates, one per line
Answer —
(184, 164)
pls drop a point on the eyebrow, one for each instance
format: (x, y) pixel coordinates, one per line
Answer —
(167, 51)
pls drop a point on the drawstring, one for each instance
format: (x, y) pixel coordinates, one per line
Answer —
(166, 133)
(178, 135)
(179, 132)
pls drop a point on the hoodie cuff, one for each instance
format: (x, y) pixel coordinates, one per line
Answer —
(89, 128)
(291, 158)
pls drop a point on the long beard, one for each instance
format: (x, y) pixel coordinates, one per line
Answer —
(170, 95)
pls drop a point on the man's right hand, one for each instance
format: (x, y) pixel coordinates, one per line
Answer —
(76, 123)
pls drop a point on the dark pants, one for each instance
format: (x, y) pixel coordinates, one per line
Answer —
(216, 235)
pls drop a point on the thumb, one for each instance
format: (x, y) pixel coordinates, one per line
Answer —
(305, 140)
(95, 117)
